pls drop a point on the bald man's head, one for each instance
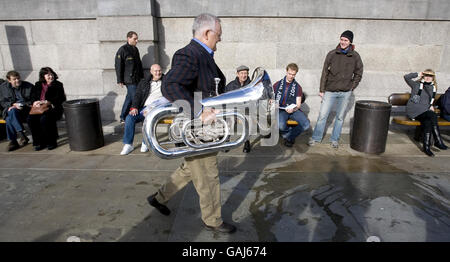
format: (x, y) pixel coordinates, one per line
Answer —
(156, 72)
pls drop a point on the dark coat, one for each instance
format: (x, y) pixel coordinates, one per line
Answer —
(341, 72)
(8, 96)
(128, 65)
(415, 109)
(142, 92)
(444, 102)
(193, 70)
(235, 84)
(55, 94)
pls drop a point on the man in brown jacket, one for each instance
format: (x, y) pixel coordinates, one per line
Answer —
(341, 74)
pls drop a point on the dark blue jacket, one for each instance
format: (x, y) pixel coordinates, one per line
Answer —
(235, 84)
(142, 92)
(8, 96)
(193, 70)
(445, 102)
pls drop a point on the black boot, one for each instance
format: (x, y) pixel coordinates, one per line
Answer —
(160, 207)
(427, 144)
(438, 139)
(247, 147)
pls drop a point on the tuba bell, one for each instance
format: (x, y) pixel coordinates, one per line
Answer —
(189, 137)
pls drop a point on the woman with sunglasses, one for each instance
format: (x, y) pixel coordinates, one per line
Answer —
(420, 107)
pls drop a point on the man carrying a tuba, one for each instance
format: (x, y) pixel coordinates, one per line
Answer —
(194, 70)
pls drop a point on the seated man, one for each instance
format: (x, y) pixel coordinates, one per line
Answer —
(148, 90)
(288, 94)
(444, 104)
(241, 80)
(15, 99)
(1, 86)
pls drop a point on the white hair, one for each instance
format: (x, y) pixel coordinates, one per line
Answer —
(204, 22)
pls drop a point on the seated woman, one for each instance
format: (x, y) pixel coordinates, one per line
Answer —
(48, 90)
(420, 107)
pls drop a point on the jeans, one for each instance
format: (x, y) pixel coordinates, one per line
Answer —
(131, 91)
(291, 132)
(341, 99)
(130, 121)
(14, 121)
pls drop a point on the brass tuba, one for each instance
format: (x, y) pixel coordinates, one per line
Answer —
(190, 137)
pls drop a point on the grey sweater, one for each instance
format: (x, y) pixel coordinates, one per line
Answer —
(415, 109)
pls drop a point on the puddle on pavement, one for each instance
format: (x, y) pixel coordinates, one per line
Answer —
(343, 180)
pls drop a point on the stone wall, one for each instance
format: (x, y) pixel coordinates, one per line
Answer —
(78, 39)
(392, 37)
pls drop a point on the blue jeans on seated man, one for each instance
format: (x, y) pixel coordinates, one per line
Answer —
(291, 132)
(130, 122)
(445, 116)
(131, 91)
(14, 124)
(341, 99)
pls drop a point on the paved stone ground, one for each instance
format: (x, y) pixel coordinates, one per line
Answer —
(272, 194)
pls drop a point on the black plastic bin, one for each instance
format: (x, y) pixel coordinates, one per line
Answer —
(84, 124)
(370, 126)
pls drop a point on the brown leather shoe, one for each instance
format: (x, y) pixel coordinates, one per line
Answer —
(247, 147)
(13, 145)
(288, 143)
(224, 228)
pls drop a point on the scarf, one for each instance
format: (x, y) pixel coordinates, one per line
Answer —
(345, 51)
(421, 88)
(283, 93)
(44, 91)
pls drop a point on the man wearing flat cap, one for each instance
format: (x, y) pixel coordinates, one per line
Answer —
(241, 79)
(341, 74)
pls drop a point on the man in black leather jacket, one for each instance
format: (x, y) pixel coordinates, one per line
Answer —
(129, 70)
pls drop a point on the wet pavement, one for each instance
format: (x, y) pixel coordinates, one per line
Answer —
(311, 194)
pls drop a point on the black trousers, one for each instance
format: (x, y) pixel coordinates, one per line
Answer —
(427, 119)
(43, 129)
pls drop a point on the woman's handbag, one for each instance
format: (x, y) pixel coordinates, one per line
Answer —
(39, 110)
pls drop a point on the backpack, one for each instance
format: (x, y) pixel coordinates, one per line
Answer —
(445, 102)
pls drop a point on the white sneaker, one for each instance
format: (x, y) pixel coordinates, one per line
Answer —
(127, 148)
(335, 144)
(144, 148)
(311, 142)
